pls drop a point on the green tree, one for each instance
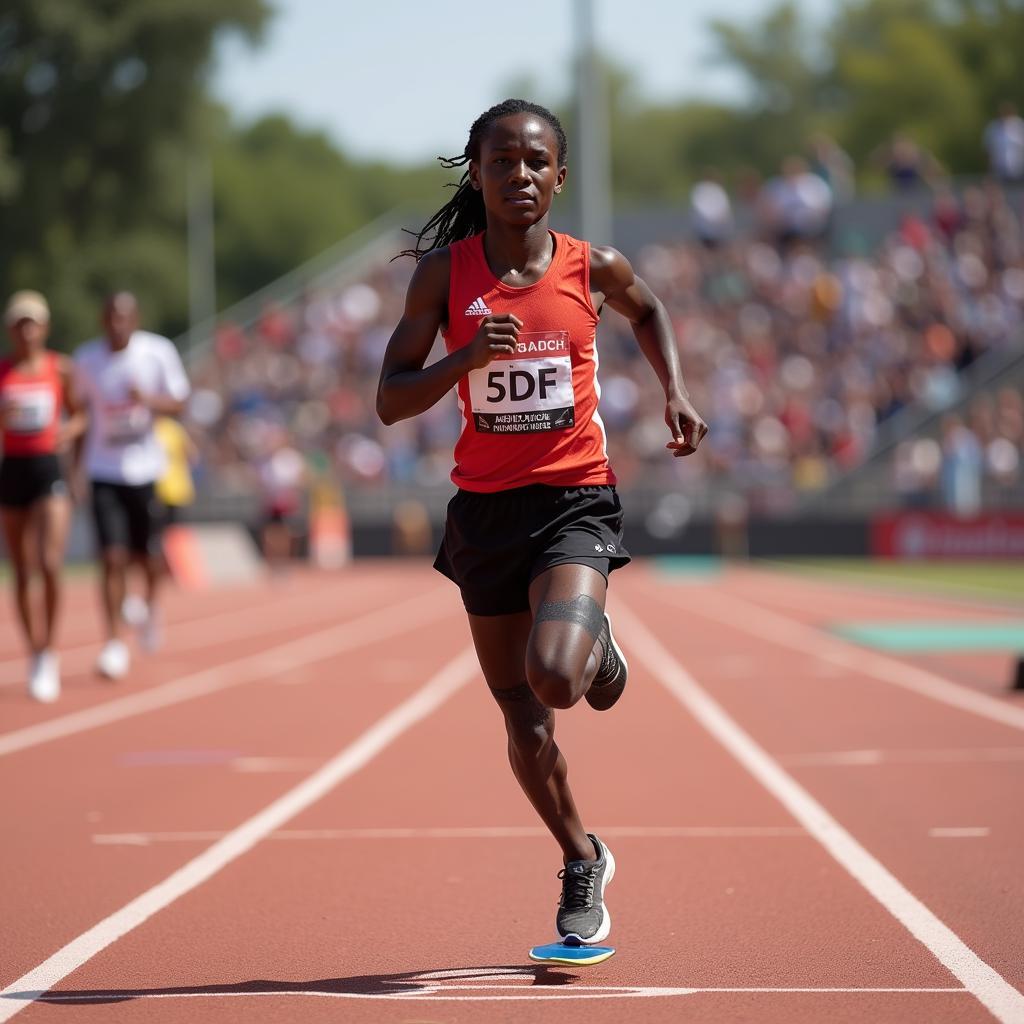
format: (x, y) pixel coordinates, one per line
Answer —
(896, 69)
(284, 194)
(783, 75)
(100, 103)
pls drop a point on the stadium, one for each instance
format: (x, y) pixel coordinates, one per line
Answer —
(322, 457)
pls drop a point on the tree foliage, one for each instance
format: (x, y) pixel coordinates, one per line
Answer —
(100, 103)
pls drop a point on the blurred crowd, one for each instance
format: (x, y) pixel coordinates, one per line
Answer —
(797, 358)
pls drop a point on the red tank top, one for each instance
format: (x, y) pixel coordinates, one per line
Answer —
(529, 418)
(31, 407)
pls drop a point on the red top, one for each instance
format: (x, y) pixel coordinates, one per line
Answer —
(530, 418)
(31, 405)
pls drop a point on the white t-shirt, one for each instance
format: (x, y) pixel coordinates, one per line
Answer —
(1004, 138)
(121, 447)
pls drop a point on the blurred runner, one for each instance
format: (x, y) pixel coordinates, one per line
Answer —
(128, 378)
(174, 491)
(35, 387)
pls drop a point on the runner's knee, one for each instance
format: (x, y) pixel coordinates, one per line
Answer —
(51, 561)
(553, 680)
(527, 720)
(22, 573)
(114, 558)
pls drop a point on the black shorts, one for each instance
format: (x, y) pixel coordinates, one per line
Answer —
(495, 545)
(26, 479)
(126, 516)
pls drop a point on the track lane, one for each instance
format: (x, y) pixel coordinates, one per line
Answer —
(123, 772)
(889, 806)
(359, 916)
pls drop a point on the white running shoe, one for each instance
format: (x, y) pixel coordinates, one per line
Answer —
(134, 610)
(114, 659)
(44, 677)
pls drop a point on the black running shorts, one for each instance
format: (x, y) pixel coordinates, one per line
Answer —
(26, 479)
(495, 545)
(126, 516)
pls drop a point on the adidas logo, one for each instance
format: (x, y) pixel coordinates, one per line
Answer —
(478, 308)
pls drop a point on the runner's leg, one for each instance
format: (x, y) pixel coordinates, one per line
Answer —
(563, 653)
(501, 643)
(18, 537)
(54, 517)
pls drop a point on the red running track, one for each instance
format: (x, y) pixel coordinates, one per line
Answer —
(302, 811)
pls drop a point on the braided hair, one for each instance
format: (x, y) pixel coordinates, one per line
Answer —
(463, 215)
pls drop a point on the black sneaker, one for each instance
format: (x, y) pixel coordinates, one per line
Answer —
(610, 680)
(581, 909)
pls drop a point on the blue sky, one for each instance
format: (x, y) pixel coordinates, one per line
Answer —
(404, 79)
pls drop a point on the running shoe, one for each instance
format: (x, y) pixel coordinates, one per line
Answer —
(114, 660)
(44, 677)
(610, 680)
(134, 610)
(581, 909)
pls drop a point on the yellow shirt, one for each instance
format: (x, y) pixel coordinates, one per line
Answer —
(175, 486)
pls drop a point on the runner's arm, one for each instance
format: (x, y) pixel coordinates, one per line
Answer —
(407, 387)
(77, 420)
(612, 276)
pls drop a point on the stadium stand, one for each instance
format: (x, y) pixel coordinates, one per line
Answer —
(807, 361)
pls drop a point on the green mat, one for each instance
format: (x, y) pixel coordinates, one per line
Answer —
(689, 566)
(925, 637)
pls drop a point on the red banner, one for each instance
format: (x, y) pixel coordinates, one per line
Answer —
(910, 535)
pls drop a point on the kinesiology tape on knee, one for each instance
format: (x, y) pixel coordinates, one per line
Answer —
(583, 611)
(520, 705)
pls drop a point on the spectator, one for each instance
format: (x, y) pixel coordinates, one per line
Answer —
(1004, 142)
(796, 206)
(711, 211)
(283, 480)
(907, 165)
(962, 466)
(833, 165)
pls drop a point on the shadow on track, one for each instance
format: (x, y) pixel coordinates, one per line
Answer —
(407, 983)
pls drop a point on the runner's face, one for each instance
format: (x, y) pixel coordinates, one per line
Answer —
(518, 170)
(120, 319)
(28, 336)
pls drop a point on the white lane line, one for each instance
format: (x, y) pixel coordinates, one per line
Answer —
(987, 985)
(258, 765)
(446, 682)
(358, 632)
(866, 758)
(490, 832)
(751, 618)
(967, 832)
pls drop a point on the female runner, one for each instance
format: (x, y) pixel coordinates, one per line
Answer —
(536, 526)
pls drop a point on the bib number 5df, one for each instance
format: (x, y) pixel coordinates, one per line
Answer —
(527, 392)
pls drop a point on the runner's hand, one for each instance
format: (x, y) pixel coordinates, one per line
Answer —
(686, 425)
(495, 337)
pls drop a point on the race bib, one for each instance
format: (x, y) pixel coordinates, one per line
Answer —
(125, 424)
(28, 410)
(526, 392)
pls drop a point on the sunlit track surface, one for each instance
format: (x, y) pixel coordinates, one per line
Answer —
(338, 826)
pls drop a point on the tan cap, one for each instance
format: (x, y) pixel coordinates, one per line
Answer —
(26, 305)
